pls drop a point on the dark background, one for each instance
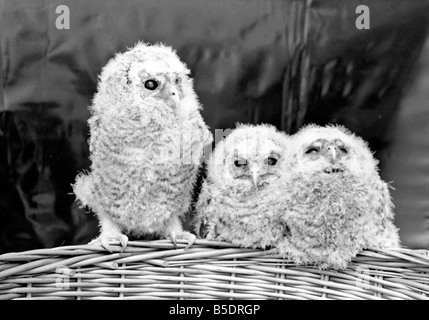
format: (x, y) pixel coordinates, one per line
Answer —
(282, 62)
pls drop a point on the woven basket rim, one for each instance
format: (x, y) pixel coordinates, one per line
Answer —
(157, 270)
(201, 249)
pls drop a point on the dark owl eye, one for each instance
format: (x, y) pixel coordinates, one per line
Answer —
(177, 80)
(240, 163)
(271, 161)
(312, 150)
(151, 84)
(343, 149)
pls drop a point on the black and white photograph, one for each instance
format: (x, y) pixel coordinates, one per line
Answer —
(214, 150)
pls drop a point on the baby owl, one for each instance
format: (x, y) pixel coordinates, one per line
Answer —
(147, 138)
(337, 202)
(240, 201)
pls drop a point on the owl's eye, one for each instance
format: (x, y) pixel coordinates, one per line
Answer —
(343, 149)
(240, 163)
(177, 81)
(312, 150)
(271, 161)
(151, 84)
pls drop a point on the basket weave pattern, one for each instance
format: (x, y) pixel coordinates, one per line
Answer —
(208, 270)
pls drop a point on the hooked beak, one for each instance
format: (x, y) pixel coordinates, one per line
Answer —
(333, 152)
(255, 176)
(174, 96)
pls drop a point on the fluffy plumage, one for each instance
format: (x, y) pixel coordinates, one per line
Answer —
(240, 200)
(146, 141)
(337, 202)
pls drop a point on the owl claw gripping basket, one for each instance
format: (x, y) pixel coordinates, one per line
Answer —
(207, 270)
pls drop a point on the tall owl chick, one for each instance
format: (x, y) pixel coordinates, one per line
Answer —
(337, 202)
(240, 200)
(146, 141)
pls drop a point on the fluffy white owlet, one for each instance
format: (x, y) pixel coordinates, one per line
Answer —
(337, 202)
(146, 142)
(240, 200)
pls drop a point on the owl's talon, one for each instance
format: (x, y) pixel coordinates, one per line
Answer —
(173, 239)
(123, 239)
(190, 238)
(105, 245)
(105, 241)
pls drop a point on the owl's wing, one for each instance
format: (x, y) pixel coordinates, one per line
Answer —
(202, 136)
(83, 186)
(94, 127)
(387, 232)
(385, 206)
(202, 220)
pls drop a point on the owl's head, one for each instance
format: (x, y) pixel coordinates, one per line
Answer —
(149, 76)
(250, 157)
(331, 150)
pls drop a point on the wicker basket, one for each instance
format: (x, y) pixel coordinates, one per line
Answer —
(208, 270)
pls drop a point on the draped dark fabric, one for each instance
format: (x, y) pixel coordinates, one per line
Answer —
(286, 62)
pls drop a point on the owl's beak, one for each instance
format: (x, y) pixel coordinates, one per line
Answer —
(333, 153)
(174, 96)
(255, 176)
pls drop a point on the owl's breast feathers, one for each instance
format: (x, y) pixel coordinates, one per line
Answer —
(247, 219)
(142, 170)
(336, 216)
